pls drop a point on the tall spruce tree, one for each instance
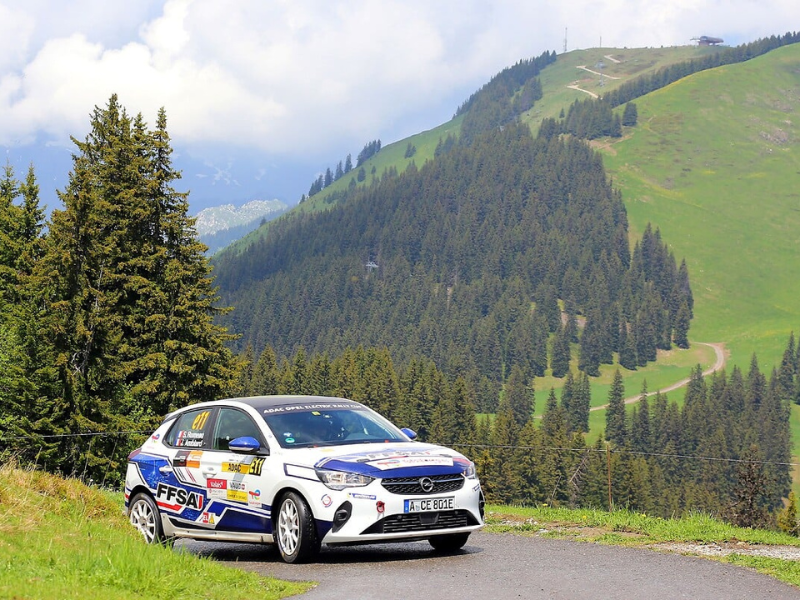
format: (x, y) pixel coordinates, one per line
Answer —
(130, 302)
(616, 429)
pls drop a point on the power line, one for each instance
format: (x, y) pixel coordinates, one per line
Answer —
(636, 452)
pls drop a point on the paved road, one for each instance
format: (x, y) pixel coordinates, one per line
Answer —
(505, 566)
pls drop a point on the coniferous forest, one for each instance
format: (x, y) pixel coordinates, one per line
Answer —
(477, 259)
(723, 449)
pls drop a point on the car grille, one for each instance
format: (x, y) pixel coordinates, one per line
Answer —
(410, 486)
(408, 523)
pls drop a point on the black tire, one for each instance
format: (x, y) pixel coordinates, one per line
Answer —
(451, 542)
(295, 530)
(144, 516)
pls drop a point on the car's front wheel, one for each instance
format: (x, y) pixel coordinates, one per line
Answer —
(296, 532)
(143, 513)
(450, 542)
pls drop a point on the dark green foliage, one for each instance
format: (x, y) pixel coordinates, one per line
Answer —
(475, 250)
(518, 397)
(665, 460)
(369, 150)
(631, 115)
(560, 355)
(590, 119)
(114, 307)
(616, 427)
(508, 94)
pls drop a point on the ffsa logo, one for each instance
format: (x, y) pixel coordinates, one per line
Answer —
(173, 495)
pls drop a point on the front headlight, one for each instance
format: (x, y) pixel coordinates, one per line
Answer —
(338, 480)
(470, 472)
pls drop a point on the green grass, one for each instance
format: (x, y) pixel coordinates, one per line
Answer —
(713, 163)
(628, 528)
(62, 539)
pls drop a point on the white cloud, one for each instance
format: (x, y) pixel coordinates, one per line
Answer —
(295, 77)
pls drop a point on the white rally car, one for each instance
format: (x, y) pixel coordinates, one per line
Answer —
(298, 471)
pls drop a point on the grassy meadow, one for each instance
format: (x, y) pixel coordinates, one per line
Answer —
(62, 539)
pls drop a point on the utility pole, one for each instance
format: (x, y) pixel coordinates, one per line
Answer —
(608, 469)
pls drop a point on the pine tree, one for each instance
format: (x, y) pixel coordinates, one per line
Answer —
(560, 356)
(787, 517)
(616, 429)
(630, 115)
(518, 397)
(131, 304)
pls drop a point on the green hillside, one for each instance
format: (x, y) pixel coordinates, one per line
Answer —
(714, 163)
(557, 95)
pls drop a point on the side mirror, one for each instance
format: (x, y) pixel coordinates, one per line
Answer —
(409, 432)
(245, 445)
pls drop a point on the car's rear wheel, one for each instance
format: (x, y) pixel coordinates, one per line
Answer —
(143, 513)
(450, 542)
(297, 535)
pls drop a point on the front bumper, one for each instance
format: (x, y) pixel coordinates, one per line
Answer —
(371, 514)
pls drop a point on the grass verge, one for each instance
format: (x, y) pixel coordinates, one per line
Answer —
(627, 528)
(62, 539)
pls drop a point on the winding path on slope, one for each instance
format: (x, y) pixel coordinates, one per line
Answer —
(574, 86)
(719, 351)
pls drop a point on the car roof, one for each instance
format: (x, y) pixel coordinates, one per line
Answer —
(264, 402)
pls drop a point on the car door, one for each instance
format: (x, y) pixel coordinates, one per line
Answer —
(233, 479)
(181, 488)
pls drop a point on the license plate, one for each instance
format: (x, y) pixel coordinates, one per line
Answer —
(429, 504)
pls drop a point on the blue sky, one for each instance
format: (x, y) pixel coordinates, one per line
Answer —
(261, 95)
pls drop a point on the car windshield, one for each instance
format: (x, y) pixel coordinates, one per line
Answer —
(299, 427)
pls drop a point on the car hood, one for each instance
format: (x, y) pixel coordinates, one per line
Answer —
(404, 459)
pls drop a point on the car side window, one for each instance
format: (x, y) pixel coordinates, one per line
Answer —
(232, 424)
(189, 431)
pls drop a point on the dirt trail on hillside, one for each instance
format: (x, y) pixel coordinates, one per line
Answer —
(585, 68)
(575, 87)
(719, 363)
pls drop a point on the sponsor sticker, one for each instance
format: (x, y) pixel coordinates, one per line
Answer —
(253, 467)
(303, 407)
(237, 496)
(193, 460)
(326, 501)
(237, 485)
(411, 461)
(207, 518)
(254, 498)
(187, 458)
(217, 488)
(362, 496)
(173, 498)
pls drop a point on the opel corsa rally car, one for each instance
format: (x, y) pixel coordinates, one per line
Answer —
(298, 471)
